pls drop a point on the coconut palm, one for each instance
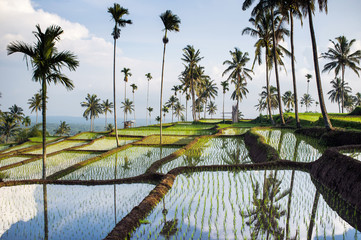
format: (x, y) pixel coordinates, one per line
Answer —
(262, 105)
(128, 107)
(17, 113)
(106, 108)
(191, 57)
(63, 129)
(288, 100)
(117, 12)
(307, 100)
(178, 110)
(171, 103)
(241, 91)
(157, 119)
(8, 126)
(308, 76)
(171, 23)
(93, 108)
(225, 88)
(165, 110)
(109, 127)
(358, 99)
(134, 87)
(308, 8)
(149, 77)
(150, 110)
(211, 108)
(335, 94)
(340, 57)
(273, 100)
(47, 64)
(26, 121)
(209, 91)
(237, 71)
(35, 104)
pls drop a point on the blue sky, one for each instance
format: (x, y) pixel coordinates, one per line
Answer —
(212, 26)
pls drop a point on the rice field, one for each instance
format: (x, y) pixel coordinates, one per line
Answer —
(130, 162)
(228, 205)
(19, 147)
(54, 164)
(58, 147)
(72, 212)
(11, 160)
(235, 131)
(107, 143)
(87, 135)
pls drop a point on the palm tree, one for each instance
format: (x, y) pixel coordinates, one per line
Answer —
(8, 126)
(209, 91)
(241, 90)
(272, 98)
(171, 23)
(150, 110)
(308, 76)
(128, 107)
(165, 110)
(149, 77)
(47, 64)
(358, 99)
(127, 74)
(225, 88)
(308, 8)
(191, 57)
(262, 105)
(134, 87)
(341, 57)
(63, 129)
(26, 121)
(288, 100)
(109, 127)
(106, 108)
(35, 104)
(93, 108)
(117, 12)
(238, 71)
(211, 108)
(307, 100)
(178, 110)
(17, 113)
(171, 103)
(335, 94)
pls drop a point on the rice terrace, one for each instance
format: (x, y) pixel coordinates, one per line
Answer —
(132, 132)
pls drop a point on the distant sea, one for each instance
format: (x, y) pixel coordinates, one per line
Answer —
(79, 124)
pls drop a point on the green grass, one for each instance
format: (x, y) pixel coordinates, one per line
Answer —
(40, 139)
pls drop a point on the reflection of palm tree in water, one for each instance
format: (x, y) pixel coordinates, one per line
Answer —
(266, 213)
(238, 155)
(169, 227)
(126, 164)
(45, 198)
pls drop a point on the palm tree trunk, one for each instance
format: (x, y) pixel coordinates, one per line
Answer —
(298, 124)
(114, 99)
(135, 122)
(161, 90)
(193, 101)
(313, 215)
(125, 98)
(36, 110)
(44, 126)
(326, 119)
(268, 90)
(223, 106)
(186, 108)
(276, 71)
(46, 222)
(105, 119)
(172, 112)
(339, 107)
(205, 104)
(343, 87)
(147, 103)
(91, 123)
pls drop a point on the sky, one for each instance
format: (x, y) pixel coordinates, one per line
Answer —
(212, 26)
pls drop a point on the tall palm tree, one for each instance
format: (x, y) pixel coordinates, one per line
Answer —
(271, 98)
(191, 57)
(308, 76)
(335, 94)
(341, 57)
(171, 23)
(35, 104)
(308, 8)
(26, 121)
(263, 31)
(150, 110)
(211, 108)
(149, 77)
(307, 100)
(128, 107)
(178, 110)
(106, 108)
(165, 110)
(117, 12)
(241, 91)
(134, 87)
(210, 91)
(288, 100)
(63, 129)
(93, 108)
(17, 113)
(237, 70)
(171, 103)
(8, 126)
(47, 64)
(225, 88)
(358, 99)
